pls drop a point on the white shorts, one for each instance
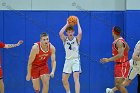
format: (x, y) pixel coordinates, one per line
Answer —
(133, 72)
(72, 65)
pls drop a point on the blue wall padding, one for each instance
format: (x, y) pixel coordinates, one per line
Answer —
(96, 43)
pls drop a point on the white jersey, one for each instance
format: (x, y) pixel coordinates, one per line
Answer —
(71, 48)
(135, 63)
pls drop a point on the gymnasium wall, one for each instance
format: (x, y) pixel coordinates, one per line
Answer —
(64, 4)
(132, 5)
(27, 19)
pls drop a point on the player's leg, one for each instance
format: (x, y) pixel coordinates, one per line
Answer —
(119, 86)
(130, 76)
(1, 85)
(77, 82)
(45, 81)
(36, 84)
(112, 90)
(1, 82)
(65, 76)
(76, 67)
(35, 79)
(65, 81)
(45, 77)
(125, 83)
(121, 73)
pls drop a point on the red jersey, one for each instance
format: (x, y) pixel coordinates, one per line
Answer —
(115, 51)
(2, 45)
(42, 57)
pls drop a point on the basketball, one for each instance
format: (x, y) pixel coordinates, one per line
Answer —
(72, 20)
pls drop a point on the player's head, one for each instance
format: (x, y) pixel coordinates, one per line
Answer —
(116, 31)
(70, 31)
(44, 38)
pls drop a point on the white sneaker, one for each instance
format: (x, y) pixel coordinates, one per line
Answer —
(108, 90)
(68, 92)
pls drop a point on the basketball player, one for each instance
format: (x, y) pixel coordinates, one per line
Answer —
(134, 63)
(120, 56)
(38, 63)
(134, 67)
(2, 45)
(72, 59)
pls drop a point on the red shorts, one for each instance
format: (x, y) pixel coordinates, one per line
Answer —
(1, 75)
(121, 70)
(38, 71)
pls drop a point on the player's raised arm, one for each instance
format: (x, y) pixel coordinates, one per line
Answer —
(61, 33)
(32, 56)
(53, 60)
(13, 45)
(136, 53)
(79, 36)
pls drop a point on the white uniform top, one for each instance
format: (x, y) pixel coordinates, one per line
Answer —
(71, 48)
(135, 63)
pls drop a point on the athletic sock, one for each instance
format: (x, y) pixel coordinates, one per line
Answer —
(37, 91)
(68, 91)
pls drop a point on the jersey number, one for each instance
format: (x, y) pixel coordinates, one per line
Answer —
(42, 58)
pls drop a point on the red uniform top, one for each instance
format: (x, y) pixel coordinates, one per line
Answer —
(2, 45)
(115, 51)
(42, 57)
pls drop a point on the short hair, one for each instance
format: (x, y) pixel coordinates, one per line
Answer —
(117, 29)
(43, 34)
(69, 28)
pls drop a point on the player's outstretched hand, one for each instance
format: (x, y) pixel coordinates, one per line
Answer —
(104, 60)
(67, 23)
(28, 77)
(20, 42)
(52, 74)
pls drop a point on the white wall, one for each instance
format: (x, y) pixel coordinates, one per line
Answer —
(75, 5)
(78, 5)
(133, 4)
(15, 4)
